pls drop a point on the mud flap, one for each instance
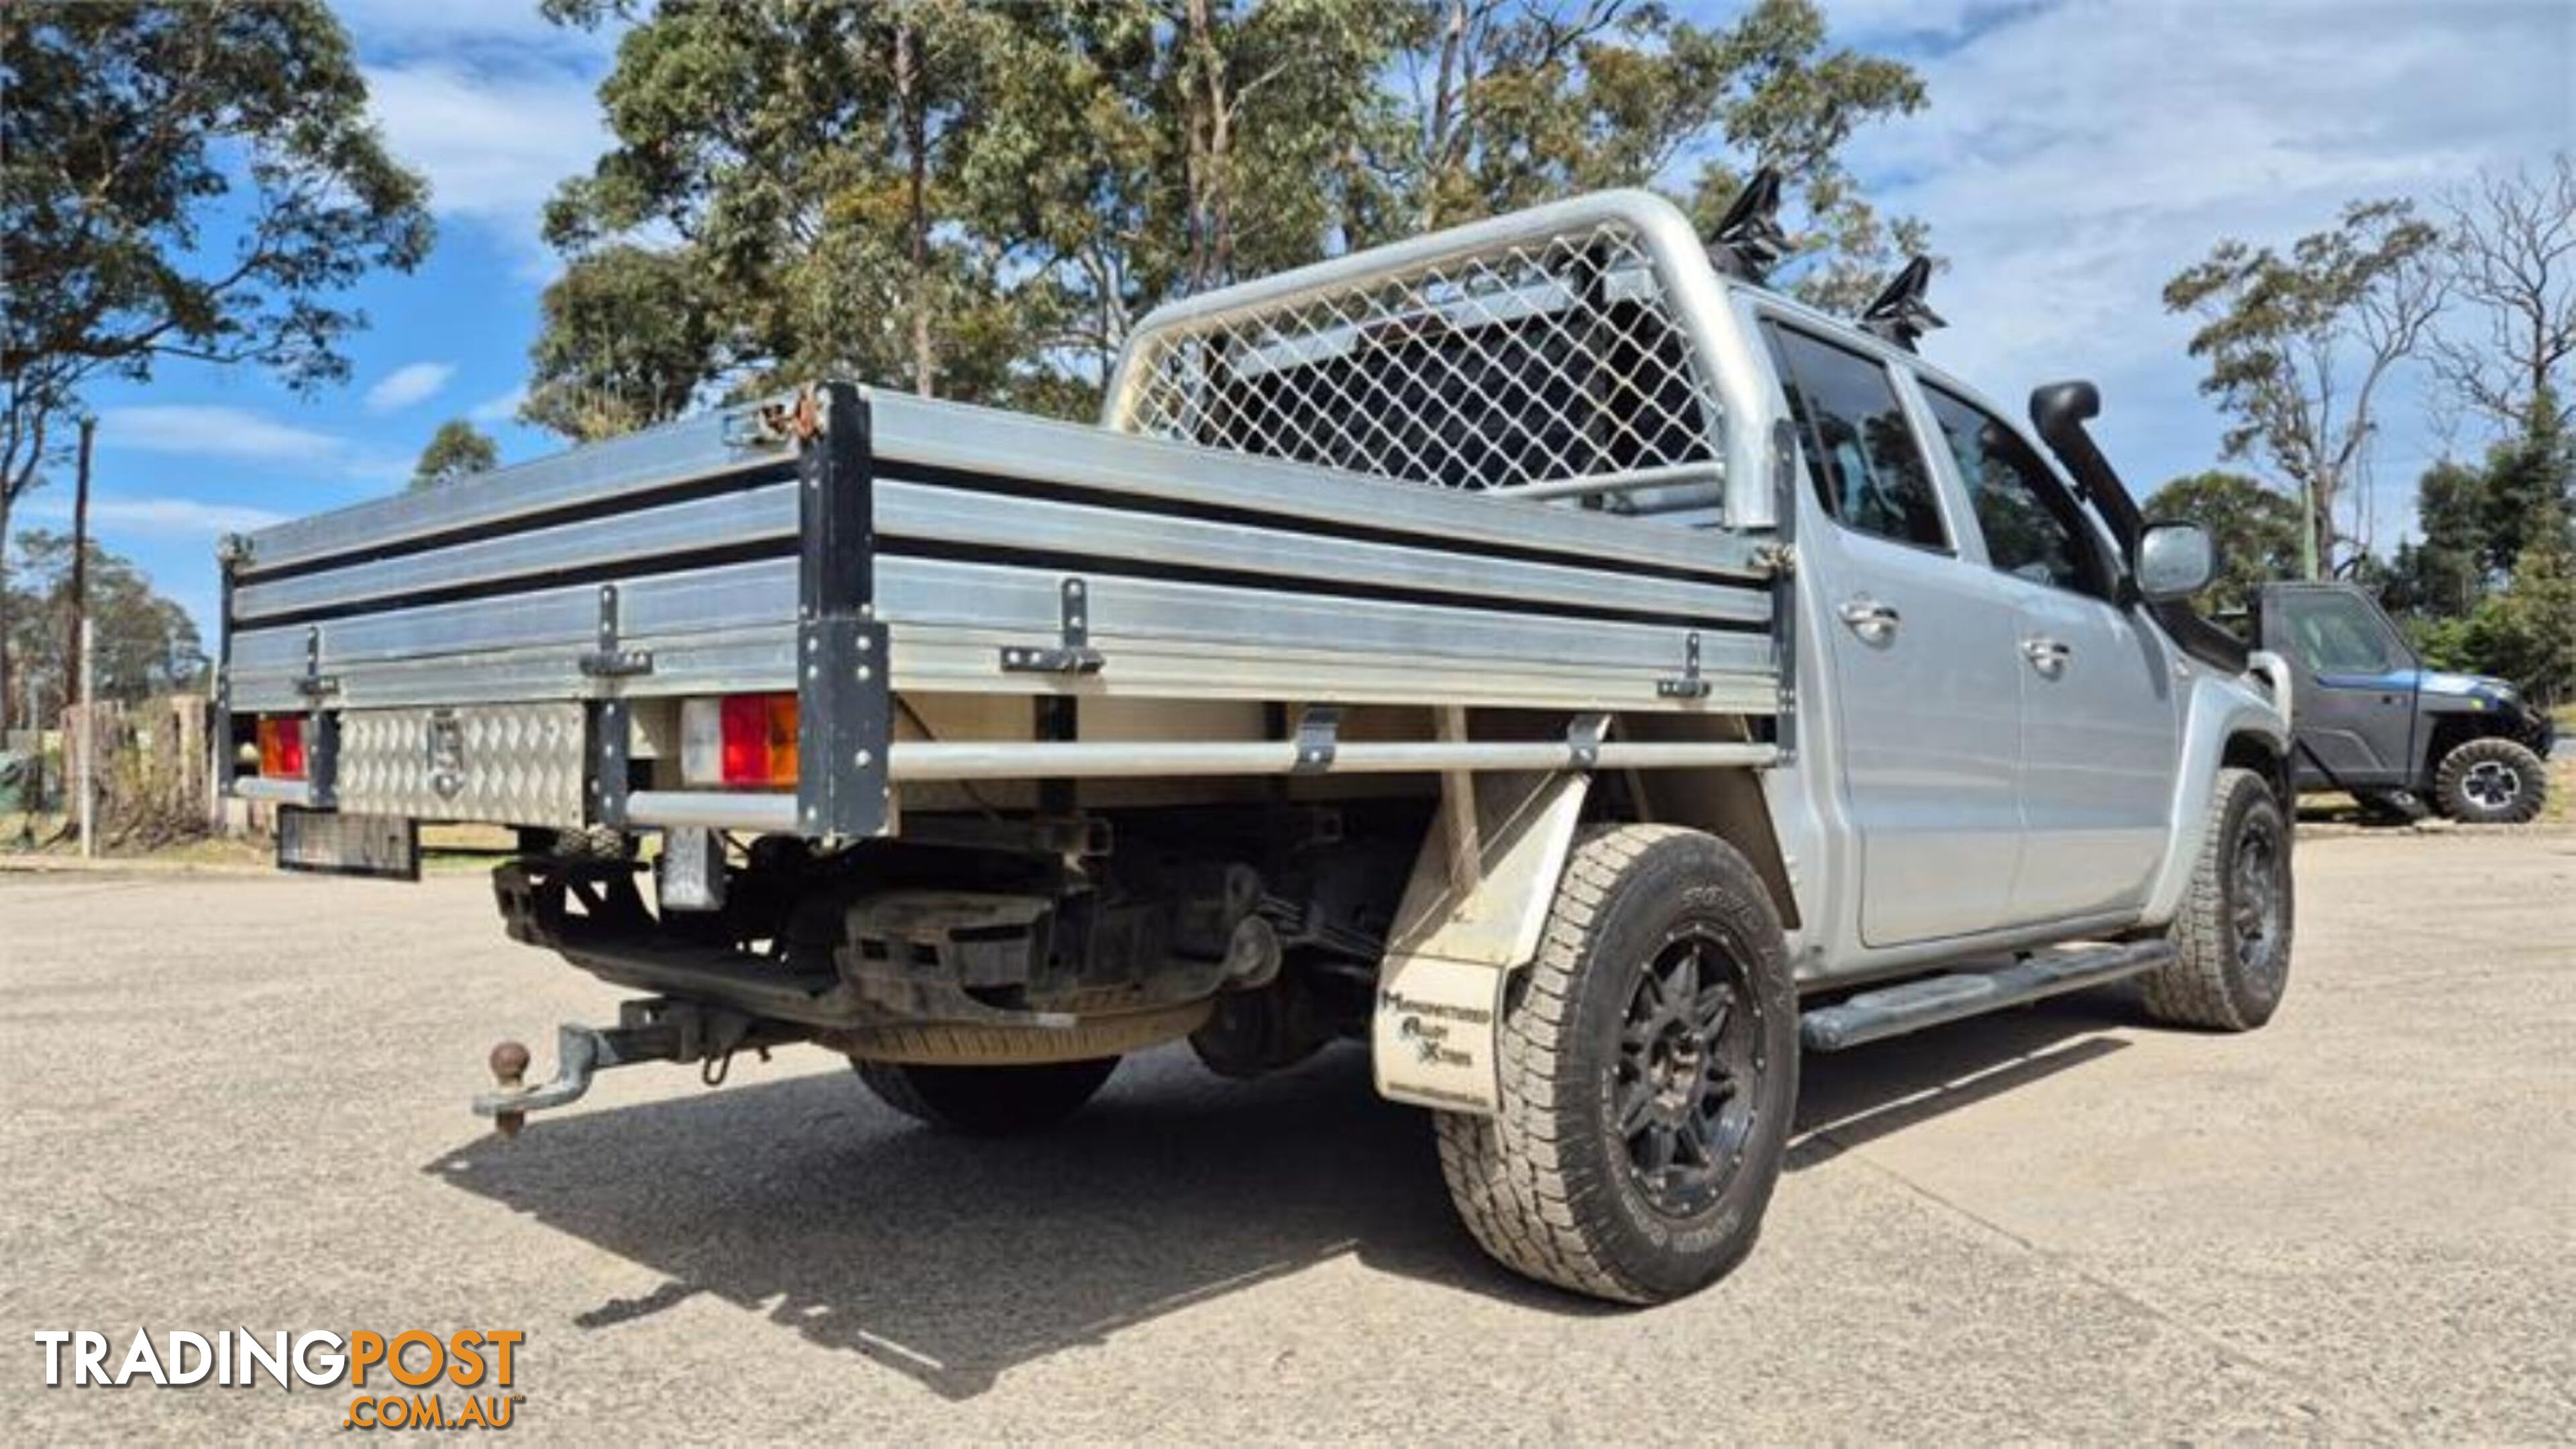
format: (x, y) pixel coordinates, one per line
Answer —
(1469, 919)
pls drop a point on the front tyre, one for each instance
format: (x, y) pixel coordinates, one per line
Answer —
(2491, 781)
(1648, 1073)
(2232, 938)
(984, 1101)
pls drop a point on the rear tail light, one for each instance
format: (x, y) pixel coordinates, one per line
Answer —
(741, 739)
(281, 747)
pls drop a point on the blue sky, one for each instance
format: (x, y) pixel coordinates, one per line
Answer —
(2075, 154)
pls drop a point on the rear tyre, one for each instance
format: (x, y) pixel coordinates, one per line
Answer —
(987, 1101)
(1648, 1073)
(2491, 781)
(2232, 940)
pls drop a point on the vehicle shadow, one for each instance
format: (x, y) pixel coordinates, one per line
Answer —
(1852, 1098)
(953, 1260)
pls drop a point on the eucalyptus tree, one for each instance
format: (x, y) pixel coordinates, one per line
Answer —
(2509, 255)
(2299, 343)
(457, 450)
(1507, 103)
(979, 201)
(180, 181)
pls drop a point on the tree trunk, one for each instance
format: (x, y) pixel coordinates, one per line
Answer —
(1220, 104)
(8, 682)
(1208, 172)
(18, 479)
(1444, 112)
(2318, 546)
(74, 691)
(916, 140)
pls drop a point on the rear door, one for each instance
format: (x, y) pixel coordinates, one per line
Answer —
(2100, 719)
(2355, 692)
(1921, 645)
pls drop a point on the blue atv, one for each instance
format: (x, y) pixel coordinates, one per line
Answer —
(2371, 720)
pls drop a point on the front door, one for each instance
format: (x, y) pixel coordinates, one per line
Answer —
(2354, 694)
(1921, 646)
(2100, 721)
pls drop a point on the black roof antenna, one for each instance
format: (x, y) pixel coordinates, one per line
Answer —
(1898, 314)
(1748, 241)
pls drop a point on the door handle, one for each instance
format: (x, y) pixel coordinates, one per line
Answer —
(2046, 655)
(1873, 621)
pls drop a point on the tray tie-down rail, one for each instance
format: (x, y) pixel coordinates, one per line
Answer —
(656, 1029)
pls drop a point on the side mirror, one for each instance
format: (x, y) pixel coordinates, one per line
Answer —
(2175, 560)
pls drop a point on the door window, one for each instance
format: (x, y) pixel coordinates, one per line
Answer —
(2335, 633)
(1861, 454)
(2030, 525)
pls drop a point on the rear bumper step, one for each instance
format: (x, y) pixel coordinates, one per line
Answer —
(1896, 1010)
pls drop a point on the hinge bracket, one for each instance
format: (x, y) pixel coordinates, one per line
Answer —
(1690, 684)
(608, 661)
(315, 683)
(1072, 653)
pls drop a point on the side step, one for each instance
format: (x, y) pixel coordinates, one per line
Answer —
(1896, 1010)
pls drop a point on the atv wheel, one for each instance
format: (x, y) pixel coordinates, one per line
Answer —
(1648, 1072)
(987, 1101)
(2232, 940)
(2491, 781)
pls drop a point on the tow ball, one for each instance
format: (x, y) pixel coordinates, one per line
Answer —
(652, 1030)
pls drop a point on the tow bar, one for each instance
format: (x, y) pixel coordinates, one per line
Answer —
(656, 1029)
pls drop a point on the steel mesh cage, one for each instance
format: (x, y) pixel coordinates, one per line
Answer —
(1550, 365)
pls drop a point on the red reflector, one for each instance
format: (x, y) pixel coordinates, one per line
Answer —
(281, 747)
(759, 739)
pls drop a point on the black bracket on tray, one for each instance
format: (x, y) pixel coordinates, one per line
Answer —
(608, 661)
(1073, 653)
(1691, 684)
(1319, 735)
(844, 695)
(321, 726)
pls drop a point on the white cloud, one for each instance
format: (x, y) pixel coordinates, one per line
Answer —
(500, 409)
(1874, 22)
(408, 385)
(447, 26)
(2076, 155)
(494, 142)
(158, 517)
(200, 431)
(219, 432)
(181, 515)
(377, 469)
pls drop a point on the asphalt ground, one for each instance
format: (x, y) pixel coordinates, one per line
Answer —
(240, 1102)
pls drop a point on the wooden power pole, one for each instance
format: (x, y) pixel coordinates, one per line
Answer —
(77, 653)
(75, 688)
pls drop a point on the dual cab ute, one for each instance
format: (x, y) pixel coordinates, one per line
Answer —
(1535, 650)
